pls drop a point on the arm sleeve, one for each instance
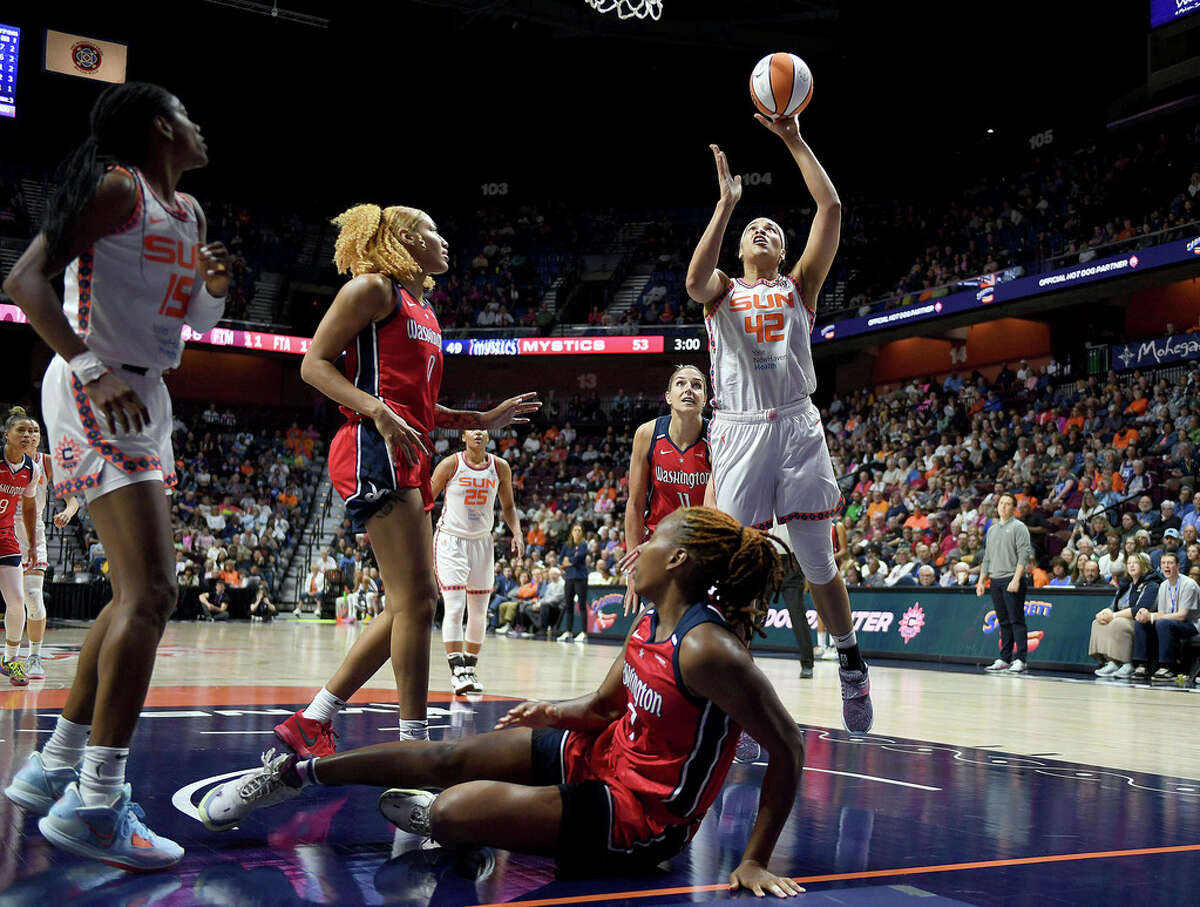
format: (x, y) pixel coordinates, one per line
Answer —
(204, 310)
(984, 563)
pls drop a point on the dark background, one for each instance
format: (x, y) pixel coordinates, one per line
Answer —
(422, 102)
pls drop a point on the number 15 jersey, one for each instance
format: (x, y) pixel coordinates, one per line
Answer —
(759, 347)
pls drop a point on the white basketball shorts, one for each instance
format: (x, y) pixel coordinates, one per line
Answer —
(773, 463)
(463, 564)
(90, 457)
(42, 557)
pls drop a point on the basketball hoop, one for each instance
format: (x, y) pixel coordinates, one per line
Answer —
(629, 9)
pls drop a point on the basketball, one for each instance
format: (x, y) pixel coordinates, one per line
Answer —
(781, 85)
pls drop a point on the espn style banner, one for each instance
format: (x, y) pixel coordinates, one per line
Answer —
(927, 624)
(88, 58)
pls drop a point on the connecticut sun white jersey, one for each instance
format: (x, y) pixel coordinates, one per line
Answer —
(758, 346)
(128, 294)
(470, 508)
(39, 499)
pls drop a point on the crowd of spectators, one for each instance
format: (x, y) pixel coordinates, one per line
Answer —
(244, 492)
(1101, 468)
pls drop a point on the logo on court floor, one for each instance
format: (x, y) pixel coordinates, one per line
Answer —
(67, 453)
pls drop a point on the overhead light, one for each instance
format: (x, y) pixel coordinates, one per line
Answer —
(990, 130)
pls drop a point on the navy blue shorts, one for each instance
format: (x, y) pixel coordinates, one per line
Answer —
(585, 836)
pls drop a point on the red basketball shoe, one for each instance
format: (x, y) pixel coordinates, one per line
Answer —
(305, 737)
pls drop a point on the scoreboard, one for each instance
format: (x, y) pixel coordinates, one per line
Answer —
(10, 48)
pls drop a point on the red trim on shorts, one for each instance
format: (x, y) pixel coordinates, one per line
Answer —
(96, 440)
(814, 516)
(479, 592)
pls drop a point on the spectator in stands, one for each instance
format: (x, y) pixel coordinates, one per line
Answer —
(926, 575)
(215, 605)
(1058, 574)
(1176, 617)
(262, 609)
(312, 589)
(1170, 543)
(1089, 575)
(1111, 641)
(901, 572)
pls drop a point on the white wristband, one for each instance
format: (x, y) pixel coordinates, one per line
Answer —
(87, 367)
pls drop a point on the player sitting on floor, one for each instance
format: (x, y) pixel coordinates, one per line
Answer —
(617, 780)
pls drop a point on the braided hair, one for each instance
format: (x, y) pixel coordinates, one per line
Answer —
(120, 133)
(368, 242)
(740, 566)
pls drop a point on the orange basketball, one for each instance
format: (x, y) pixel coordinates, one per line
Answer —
(781, 85)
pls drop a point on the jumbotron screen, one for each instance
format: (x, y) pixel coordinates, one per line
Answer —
(1164, 12)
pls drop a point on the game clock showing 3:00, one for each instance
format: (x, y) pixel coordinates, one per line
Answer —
(10, 46)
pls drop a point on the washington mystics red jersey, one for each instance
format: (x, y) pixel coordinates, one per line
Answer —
(399, 360)
(677, 477)
(671, 750)
(17, 480)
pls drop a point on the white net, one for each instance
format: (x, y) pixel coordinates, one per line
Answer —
(629, 9)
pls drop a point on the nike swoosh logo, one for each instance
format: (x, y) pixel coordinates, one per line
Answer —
(157, 220)
(308, 741)
(105, 839)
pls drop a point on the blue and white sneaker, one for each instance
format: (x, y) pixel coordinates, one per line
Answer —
(112, 834)
(858, 715)
(37, 788)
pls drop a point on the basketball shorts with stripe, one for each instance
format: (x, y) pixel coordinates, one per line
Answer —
(92, 458)
(604, 829)
(365, 474)
(774, 463)
(464, 564)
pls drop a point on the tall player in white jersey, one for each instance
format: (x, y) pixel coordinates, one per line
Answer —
(33, 551)
(463, 556)
(138, 268)
(769, 455)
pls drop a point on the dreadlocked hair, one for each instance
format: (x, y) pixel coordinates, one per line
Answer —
(368, 242)
(741, 565)
(120, 133)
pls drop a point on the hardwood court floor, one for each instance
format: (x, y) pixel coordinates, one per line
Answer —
(971, 788)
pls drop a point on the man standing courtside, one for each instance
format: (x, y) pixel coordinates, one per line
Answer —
(1006, 551)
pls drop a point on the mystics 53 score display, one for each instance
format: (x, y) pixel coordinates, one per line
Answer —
(10, 47)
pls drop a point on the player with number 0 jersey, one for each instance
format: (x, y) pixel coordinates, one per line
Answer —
(769, 455)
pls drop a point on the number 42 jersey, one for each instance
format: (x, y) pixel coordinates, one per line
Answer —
(759, 346)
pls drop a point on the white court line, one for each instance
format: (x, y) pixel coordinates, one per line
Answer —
(829, 771)
(237, 732)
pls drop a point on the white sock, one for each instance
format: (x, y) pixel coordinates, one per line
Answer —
(10, 650)
(103, 774)
(414, 729)
(64, 749)
(846, 642)
(35, 648)
(324, 707)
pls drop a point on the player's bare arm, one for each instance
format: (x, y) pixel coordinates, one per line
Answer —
(705, 283)
(635, 507)
(716, 665)
(825, 233)
(508, 506)
(589, 713)
(513, 411)
(441, 475)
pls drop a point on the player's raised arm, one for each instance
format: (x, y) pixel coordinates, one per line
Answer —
(705, 283)
(826, 230)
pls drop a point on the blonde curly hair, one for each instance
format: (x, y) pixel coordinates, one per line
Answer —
(368, 242)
